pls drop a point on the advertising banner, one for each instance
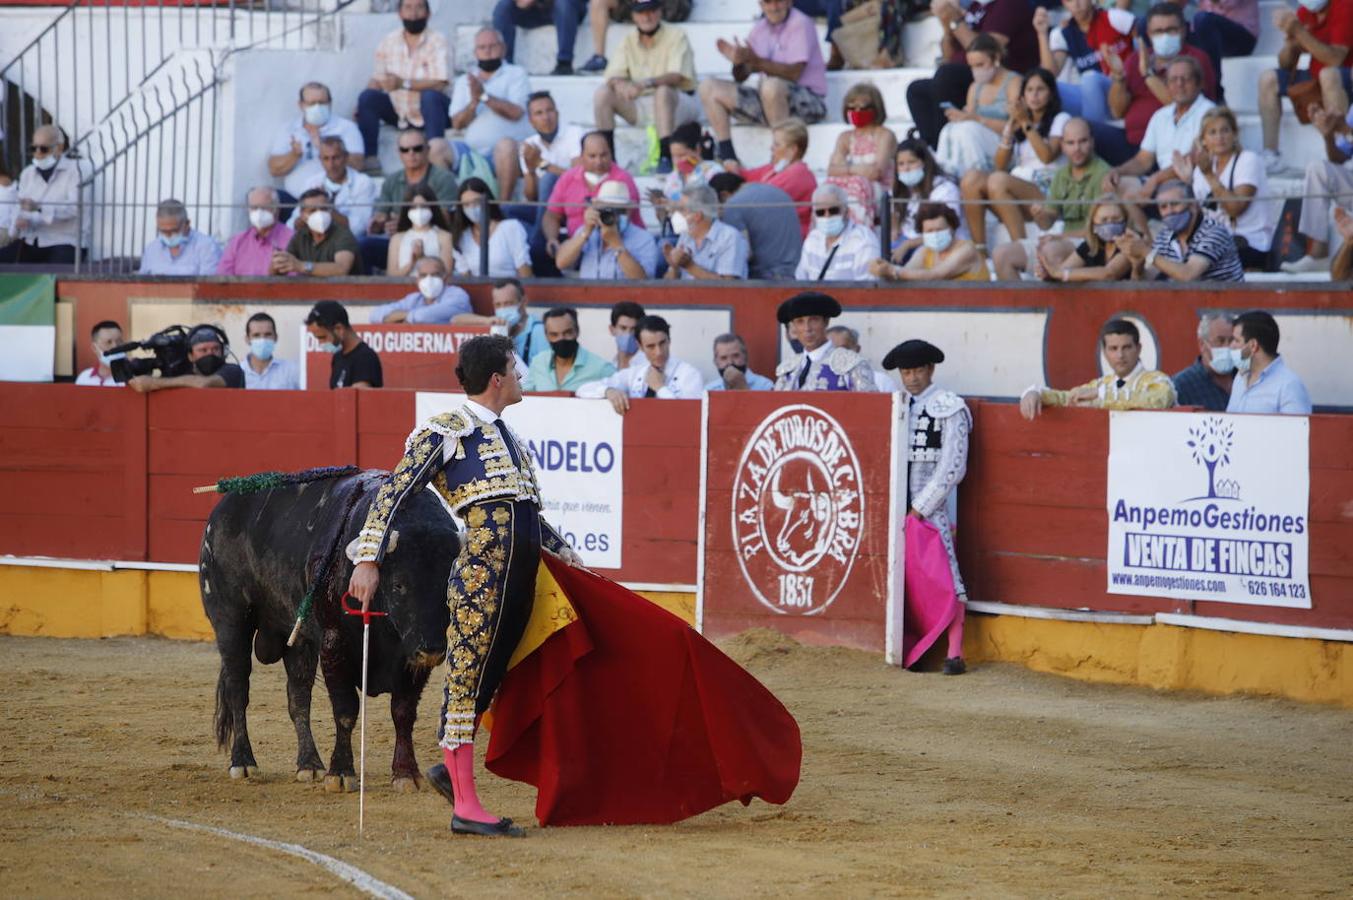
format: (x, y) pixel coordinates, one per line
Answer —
(422, 357)
(798, 520)
(578, 450)
(1210, 507)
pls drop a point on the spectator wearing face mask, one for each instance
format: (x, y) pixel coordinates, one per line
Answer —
(250, 252)
(509, 253)
(488, 102)
(353, 193)
(836, 249)
(625, 318)
(422, 229)
(295, 155)
(206, 352)
(787, 170)
(178, 248)
(730, 359)
(45, 227)
(608, 246)
(706, 248)
(263, 370)
(567, 366)
(919, 180)
(1207, 383)
(102, 337)
(1263, 382)
(862, 163)
(941, 256)
(320, 247)
(432, 302)
(355, 364)
(575, 188)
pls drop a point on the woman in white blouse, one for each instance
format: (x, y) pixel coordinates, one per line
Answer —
(919, 180)
(509, 253)
(423, 230)
(1031, 148)
(1226, 179)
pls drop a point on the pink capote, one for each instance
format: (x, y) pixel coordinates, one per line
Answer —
(931, 602)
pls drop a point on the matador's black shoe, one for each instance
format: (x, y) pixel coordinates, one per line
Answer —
(440, 779)
(954, 665)
(501, 828)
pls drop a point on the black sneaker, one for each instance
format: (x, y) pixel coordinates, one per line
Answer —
(563, 68)
(596, 64)
(954, 666)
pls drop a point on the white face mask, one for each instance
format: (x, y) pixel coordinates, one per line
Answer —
(831, 225)
(1222, 363)
(938, 241)
(984, 74)
(431, 286)
(319, 221)
(261, 218)
(317, 115)
(780, 165)
(420, 216)
(45, 163)
(911, 177)
(680, 224)
(593, 179)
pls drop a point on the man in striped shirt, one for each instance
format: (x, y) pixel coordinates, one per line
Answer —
(1191, 246)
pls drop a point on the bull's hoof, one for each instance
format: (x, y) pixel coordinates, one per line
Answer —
(243, 771)
(404, 784)
(309, 775)
(340, 784)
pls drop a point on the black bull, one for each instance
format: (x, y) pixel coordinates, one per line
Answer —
(260, 553)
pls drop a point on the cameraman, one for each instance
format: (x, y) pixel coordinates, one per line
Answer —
(610, 247)
(206, 354)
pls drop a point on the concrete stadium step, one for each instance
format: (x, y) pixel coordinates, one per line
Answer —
(573, 93)
(1240, 78)
(536, 48)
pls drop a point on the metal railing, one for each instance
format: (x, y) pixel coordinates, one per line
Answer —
(129, 84)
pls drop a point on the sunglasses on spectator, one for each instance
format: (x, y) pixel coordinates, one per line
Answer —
(416, 148)
(41, 148)
(829, 211)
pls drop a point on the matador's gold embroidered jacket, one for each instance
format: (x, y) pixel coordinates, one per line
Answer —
(467, 461)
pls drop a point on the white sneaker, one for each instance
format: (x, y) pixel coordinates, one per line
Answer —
(1307, 263)
(1273, 164)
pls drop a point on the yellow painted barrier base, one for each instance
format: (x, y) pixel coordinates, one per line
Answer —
(68, 603)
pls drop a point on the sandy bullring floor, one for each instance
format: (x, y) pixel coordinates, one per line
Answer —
(1000, 783)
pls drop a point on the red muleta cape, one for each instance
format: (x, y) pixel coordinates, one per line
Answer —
(628, 716)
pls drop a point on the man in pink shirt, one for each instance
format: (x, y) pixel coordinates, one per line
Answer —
(575, 188)
(250, 252)
(783, 51)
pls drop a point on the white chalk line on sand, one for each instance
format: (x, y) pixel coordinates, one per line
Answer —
(359, 879)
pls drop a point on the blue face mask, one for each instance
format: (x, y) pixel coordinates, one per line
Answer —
(262, 348)
(1222, 362)
(331, 346)
(1177, 221)
(1166, 44)
(172, 241)
(627, 342)
(510, 315)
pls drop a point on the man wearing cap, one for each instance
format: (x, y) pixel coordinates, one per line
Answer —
(608, 246)
(938, 425)
(821, 366)
(206, 351)
(355, 363)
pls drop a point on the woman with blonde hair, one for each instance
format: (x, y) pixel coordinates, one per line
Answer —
(972, 135)
(1226, 179)
(786, 169)
(1098, 258)
(863, 160)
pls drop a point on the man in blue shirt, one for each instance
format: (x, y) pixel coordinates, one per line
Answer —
(1207, 383)
(730, 359)
(263, 371)
(509, 309)
(609, 247)
(707, 249)
(1263, 382)
(177, 248)
(567, 366)
(433, 302)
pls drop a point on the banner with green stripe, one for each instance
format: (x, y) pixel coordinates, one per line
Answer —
(27, 327)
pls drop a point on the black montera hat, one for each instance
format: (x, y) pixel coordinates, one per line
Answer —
(809, 303)
(912, 355)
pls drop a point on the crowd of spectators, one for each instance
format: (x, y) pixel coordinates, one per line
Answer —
(1033, 117)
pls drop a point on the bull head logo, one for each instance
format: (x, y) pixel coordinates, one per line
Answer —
(804, 533)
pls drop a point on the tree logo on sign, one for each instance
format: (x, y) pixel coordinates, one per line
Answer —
(1211, 445)
(798, 510)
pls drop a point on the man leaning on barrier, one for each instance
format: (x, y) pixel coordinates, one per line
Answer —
(206, 353)
(1129, 386)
